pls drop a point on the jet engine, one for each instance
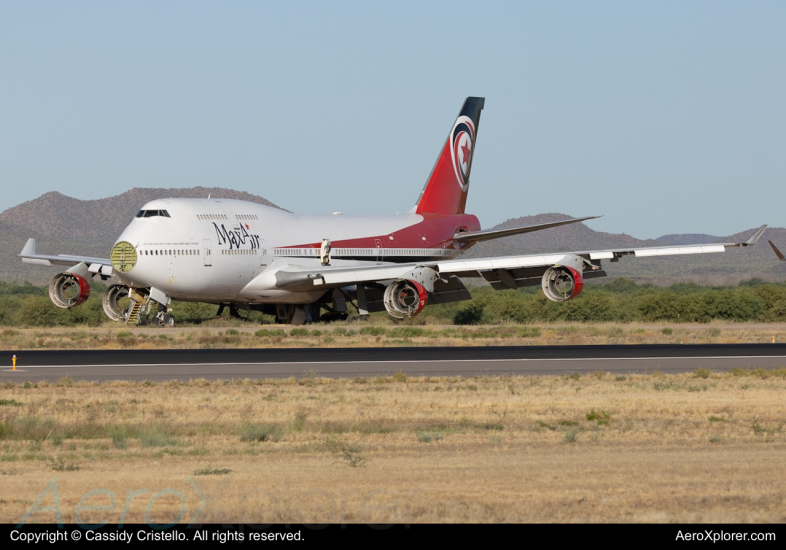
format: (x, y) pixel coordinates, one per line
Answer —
(116, 302)
(562, 283)
(405, 298)
(68, 290)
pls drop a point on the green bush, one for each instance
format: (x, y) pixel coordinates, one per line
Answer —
(620, 300)
(373, 331)
(259, 432)
(594, 306)
(406, 332)
(157, 438)
(469, 313)
(267, 332)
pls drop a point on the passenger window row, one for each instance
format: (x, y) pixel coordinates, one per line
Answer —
(188, 252)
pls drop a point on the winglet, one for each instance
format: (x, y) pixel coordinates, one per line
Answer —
(29, 249)
(755, 237)
(777, 252)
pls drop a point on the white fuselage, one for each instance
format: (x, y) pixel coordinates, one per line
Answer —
(217, 250)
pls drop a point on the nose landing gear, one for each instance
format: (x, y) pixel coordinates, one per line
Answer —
(164, 318)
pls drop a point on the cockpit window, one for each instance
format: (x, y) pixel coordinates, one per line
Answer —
(152, 213)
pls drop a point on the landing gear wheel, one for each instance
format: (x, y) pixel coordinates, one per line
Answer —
(169, 320)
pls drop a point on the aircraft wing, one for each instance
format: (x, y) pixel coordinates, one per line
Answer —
(501, 272)
(94, 265)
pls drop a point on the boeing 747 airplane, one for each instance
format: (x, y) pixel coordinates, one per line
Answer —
(249, 256)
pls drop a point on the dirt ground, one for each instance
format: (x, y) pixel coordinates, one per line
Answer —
(226, 333)
(700, 447)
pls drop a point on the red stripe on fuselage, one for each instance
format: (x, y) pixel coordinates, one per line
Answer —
(437, 230)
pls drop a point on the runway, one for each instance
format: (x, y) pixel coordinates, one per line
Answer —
(212, 364)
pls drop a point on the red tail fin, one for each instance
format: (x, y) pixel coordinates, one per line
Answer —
(446, 189)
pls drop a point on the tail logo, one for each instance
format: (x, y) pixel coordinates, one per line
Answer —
(461, 139)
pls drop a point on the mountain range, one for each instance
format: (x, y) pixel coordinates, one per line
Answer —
(62, 224)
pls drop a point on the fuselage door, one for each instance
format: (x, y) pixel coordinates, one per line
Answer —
(379, 249)
(262, 253)
(207, 251)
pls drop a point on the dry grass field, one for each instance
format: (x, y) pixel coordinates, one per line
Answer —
(225, 333)
(700, 447)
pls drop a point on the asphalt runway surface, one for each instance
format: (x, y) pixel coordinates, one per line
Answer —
(213, 364)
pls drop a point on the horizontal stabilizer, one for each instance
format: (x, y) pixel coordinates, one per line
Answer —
(777, 252)
(755, 237)
(29, 249)
(490, 234)
(29, 256)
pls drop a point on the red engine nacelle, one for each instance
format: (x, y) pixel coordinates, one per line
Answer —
(405, 298)
(69, 290)
(562, 283)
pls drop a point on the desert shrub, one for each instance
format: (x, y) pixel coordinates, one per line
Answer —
(777, 312)
(770, 295)
(515, 306)
(118, 439)
(733, 304)
(26, 289)
(29, 427)
(40, 312)
(155, 437)
(259, 432)
(621, 284)
(267, 332)
(468, 313)
(661, 306)
(373, 331)
(406, 332)
(193, 312)
(591, 306)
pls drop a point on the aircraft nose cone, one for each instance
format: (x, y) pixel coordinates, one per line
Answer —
(123, 257)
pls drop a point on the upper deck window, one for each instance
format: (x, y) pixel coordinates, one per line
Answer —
(152, 213)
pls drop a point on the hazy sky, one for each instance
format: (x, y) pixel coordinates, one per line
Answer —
(666, 117)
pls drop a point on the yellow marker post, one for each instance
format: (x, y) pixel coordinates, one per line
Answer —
(14, 361)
